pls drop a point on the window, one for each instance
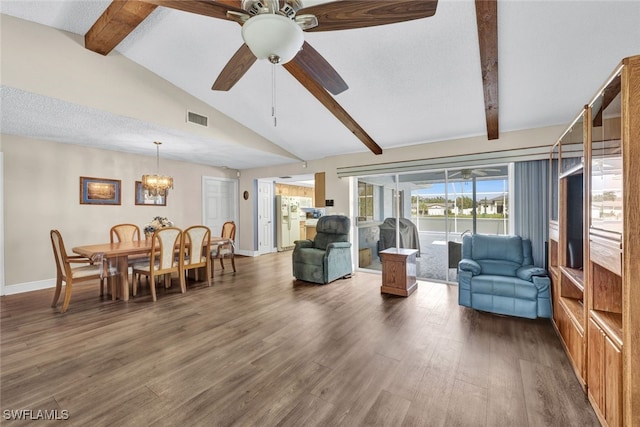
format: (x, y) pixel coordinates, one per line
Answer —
(365, 201)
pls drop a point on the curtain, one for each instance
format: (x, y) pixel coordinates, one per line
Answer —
(530, 207)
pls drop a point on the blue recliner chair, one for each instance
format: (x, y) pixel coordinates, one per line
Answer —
(328, 256)
(496, 274)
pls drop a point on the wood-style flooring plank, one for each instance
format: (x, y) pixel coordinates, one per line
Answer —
(259, 348)
(553, 397)
(506, 405)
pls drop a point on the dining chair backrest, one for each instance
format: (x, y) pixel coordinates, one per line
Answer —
(59, 253)
(163, 248)
(229, 230)
(125, 233)
(196, 243)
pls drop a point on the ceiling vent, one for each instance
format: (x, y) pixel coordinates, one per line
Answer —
(197, 119)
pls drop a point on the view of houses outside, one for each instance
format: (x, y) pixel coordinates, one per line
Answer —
(434, 209)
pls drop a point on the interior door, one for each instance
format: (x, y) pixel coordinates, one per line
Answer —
(265, 217)
(219, 203)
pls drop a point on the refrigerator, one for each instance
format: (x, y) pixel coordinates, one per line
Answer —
(288, 218)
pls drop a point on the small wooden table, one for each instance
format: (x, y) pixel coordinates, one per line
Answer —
(399, 271)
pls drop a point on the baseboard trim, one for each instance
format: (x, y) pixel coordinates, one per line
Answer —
(247, 253)
(29, 286)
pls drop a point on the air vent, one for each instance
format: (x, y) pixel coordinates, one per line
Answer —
(197, 119)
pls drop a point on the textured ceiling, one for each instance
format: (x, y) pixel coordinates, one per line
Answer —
(409, 83)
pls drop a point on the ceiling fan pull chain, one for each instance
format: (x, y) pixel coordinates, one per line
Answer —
(273, 95)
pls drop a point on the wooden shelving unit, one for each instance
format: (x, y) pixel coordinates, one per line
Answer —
(594, 250)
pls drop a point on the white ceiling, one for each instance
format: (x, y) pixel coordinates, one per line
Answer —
(409, 83)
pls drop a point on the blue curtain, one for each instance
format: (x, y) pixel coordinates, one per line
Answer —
(530, 207)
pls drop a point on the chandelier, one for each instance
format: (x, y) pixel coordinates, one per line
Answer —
(157, 185)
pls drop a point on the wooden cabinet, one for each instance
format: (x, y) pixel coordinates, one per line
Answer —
(320, 189)
(595, 299)
(399, 271)
(310, 232)
(605, 374)
(303, 231)
(567, 248)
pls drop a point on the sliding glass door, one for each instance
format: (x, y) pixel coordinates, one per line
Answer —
(434, 210)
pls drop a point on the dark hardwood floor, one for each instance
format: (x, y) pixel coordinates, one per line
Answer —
(260, 349)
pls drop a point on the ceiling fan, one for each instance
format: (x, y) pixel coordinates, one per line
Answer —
(471, 173)
(272, 30)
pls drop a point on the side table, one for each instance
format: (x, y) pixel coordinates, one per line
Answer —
(399, 271)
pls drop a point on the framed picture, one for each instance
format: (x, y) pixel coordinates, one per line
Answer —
(99, 191)
(144, 198)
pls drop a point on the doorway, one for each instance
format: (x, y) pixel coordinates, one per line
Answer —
(265, 217)
(219, 203)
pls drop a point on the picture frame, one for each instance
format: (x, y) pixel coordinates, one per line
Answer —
(143, 198)
(100, 191)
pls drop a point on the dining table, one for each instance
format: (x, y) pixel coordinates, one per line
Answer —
(118, 253)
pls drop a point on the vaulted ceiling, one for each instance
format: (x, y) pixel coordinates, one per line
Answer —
(414, 82)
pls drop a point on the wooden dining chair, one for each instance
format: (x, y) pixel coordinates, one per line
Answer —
(71, 275)
(163, 260)
(196, 241)
(126, 233)
(225, 250)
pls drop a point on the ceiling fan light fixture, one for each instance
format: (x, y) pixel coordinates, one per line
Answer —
(273, 37)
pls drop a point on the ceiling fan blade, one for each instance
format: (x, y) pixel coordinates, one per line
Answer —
(116, 22)
(237, 66)
(122, 16)
(349, 14)
(319, 68)
(455, 174)
(331, 104)
(214, 9)
(479, 172)
(236, 4)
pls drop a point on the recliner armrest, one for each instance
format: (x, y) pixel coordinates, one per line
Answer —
(526, 272)
(467, 264)
(336, 245)
(303, 243)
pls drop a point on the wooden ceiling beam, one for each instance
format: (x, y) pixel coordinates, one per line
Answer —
(331, 104)
(115, 23)
(487, 20)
